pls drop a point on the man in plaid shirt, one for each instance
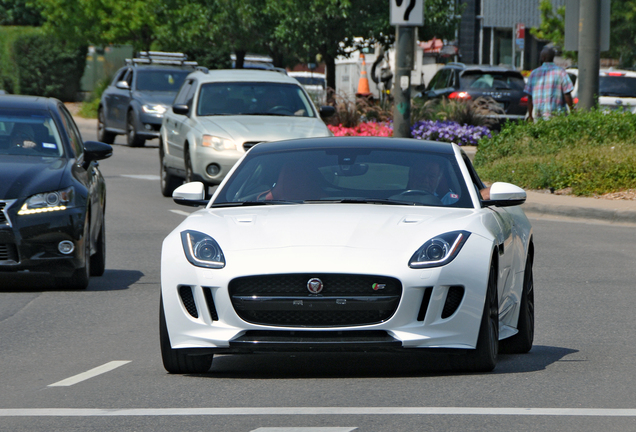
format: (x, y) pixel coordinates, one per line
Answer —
(549, 88)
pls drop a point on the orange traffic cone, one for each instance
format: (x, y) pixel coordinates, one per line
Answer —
(363, 82)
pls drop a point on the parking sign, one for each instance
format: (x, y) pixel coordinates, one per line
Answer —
(407, 13)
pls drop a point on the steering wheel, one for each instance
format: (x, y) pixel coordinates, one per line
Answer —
(279, 109)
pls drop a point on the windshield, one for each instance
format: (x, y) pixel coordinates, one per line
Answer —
(617, 86)
(491, 81)
(161, 80)
(347, 175)
(29, 133)
(253, 98)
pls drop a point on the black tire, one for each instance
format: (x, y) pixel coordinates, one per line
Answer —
(484, 357)
(81, 276)
(168, 181)
(521, 343)
(132, 138)
(174, 360)
(102, 134)
(189, 173)
(98, 261)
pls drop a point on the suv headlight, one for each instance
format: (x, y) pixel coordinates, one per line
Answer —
(49, 202)
(202, 250)
(218, 143)
(439, 250)
(154, 109)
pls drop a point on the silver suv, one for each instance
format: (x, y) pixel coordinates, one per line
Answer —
(219, 114)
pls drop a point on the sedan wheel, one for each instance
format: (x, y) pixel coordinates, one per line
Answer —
(174, 360)
(102, 134)
(132, 137)
(98, 261)
(80, 278)
(521, 343)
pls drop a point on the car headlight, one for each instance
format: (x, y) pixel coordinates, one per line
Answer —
(49, 202)
(154, 109)
(202, 250)
(218, 143)
(439, 250)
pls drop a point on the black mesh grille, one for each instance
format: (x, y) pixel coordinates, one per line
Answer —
(207, 293)
(8, 252)
(425, 302)
(187, 298)
(284, 300)
(453, 299)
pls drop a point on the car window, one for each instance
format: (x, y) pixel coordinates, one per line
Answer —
(253, 98)
(491, 80)
(411, 178)
(120, 76)
(129, 77)
(73, 133)
(440, 80)
(160, 80)
(29, 133)
(620, 86)
(181, 97)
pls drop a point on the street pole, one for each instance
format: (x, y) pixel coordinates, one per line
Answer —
(405, 49)
(589, 52)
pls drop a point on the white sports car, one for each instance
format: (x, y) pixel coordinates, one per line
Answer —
(350, 244)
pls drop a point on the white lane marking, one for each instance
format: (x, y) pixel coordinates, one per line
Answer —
(304, 429)
(116, 412)
(90, 374)
(180, 212)
(141, 176)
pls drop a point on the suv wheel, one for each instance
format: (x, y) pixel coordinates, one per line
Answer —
(132, 137)
(102, 134)
(168, 181)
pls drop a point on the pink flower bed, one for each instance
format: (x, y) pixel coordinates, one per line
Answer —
(363, 129)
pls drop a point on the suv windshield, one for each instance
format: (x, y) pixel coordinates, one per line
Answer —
(347, 175)
(29, 133)
(161, 80)
(491, 81)
(621, 86)
(253, 98)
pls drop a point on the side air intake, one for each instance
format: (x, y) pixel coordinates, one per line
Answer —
(207, 293)
(185, 292)
(453, 299)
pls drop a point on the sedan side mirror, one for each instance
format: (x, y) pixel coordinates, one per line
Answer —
(180, 109)
(123, 85)
(327, 111)
(505, 195)
(94, 150)
(190, 194)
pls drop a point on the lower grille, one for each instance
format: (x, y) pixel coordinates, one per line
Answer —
(185, 292)
(453, 299)
(425, 302)
(345, 300)
(207, 293)
(8, 252)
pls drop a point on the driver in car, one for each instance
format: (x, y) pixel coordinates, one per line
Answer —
(23, 136)
(427, 178)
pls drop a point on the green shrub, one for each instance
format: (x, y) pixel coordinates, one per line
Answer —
(591, 152)
(89, 107)
(9, 74)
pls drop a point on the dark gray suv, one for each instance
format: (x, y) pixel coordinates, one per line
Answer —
(140, 93)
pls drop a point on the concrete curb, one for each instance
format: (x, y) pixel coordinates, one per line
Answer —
(606, 215)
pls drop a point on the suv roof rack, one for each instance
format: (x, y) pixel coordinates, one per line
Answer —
(160, 57)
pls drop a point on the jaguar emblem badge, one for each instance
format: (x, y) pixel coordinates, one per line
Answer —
(315, 285)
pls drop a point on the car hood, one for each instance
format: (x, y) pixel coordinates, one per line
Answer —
(154, 98)
(362, 226)
(263, 128)
(23, 176)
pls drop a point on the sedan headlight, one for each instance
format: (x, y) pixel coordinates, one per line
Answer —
(439, 250)
(49, 202)
(218, 143)
(154, 109)
(202, 250)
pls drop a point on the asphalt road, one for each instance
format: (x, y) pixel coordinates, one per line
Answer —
(579, 376)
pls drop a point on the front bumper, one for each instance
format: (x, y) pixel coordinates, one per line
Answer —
(148, 125)
(206, 318)
(204, 156)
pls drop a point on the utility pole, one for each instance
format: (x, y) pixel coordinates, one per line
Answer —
(405, 44)
(589, 52)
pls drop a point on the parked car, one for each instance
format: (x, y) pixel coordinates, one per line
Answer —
(139, 95)
(314, 83)
(617, 89)
(457, 81)
(348, 244)
(52, 195)
(220, 114)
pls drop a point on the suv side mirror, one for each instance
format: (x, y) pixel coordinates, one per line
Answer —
(327, 111)
(180, 109)
(123, 85)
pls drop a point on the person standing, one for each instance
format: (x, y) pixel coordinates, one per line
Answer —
(549, 88)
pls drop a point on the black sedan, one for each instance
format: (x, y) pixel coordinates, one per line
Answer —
(52, 195)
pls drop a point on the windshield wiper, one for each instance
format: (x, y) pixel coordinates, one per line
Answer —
(252, 203)
(363, 201)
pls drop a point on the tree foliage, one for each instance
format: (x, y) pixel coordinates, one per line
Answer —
(623, 32)
(20, 13)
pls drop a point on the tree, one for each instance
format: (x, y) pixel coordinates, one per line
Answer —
(623, 33)
(20, 13)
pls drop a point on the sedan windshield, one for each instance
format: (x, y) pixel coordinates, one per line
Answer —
(29, 133)
(161, 80)
(349, 176)
(253, 98)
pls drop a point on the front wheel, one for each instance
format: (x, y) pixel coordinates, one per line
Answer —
(81, 276)
(102, 134)
(168, 181)
(521, 343)
(174, 360)
(132, 137)
(98, 260)
(189, 172)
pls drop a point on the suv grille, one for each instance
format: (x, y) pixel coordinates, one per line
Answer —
(345, 299)
(8, 252)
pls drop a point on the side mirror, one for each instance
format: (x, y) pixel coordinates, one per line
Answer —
(505, 195)
(180, 109)
(123, 85)
(327, 111)
(190, 194)
(94, 150)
